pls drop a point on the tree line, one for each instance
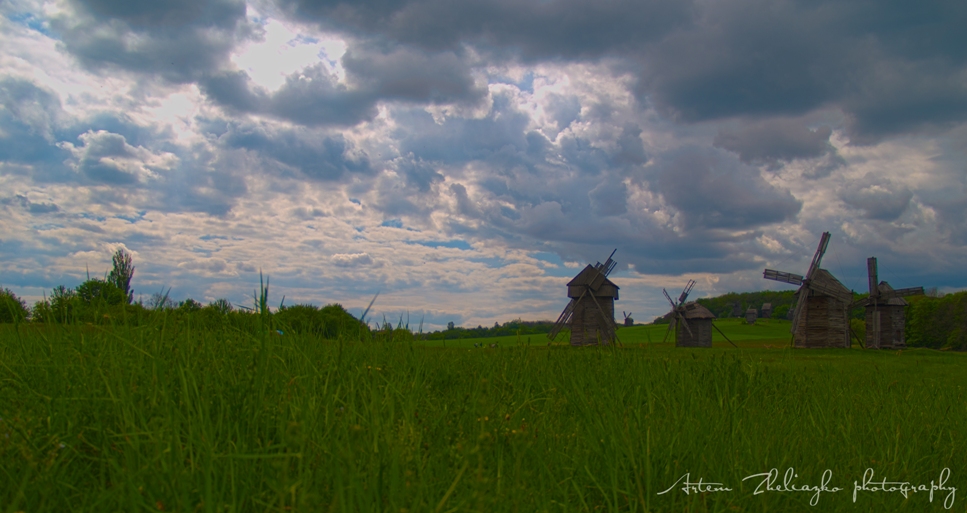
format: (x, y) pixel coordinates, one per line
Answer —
(936, 321)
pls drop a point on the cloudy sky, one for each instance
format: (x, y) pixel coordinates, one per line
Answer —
(464, 159)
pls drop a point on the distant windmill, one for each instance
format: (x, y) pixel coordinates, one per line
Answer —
(766, 310)
(885, 312)
(751, 315)
(820, 318)
(691, 322)
(628, 320)
(590, 313)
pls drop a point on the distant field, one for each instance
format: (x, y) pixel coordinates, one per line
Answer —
(172, 416)
(764, 333)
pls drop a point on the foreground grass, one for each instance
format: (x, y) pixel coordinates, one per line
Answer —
(181, 419)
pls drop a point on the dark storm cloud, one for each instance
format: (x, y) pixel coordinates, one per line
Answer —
(316, 156)
(314, 96)
(609, 198)
(892, 67)
(877, 198)
(29, 119)
(99, 156)
(535, 29)
(30, 206)
(179, 40)
(631, 149)
(768, 141)
(36, 108)
(879, 62)
(418, 173)
(411, 75)
(712, 189)
(498, 136)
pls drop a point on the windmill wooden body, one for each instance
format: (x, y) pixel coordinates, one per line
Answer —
(751, 315)
(885, 311)
(691, 322)
(766, 310)
(590, 313)
(820, 316)
(629, 321)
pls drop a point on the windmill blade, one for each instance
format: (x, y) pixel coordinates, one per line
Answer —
(608, 264)
(685, 324)
(818, 257)
(608, 323)
(872, 274)
(669, 298)
(800, 307)
(909, 291)
(723, 335)
(562, 319)
(784, 277)
(843, 296)
(685, 291)
(669, 330)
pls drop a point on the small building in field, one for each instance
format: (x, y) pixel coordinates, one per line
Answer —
(751, 315)
(699, 330)
(592, 321)
(766, 310)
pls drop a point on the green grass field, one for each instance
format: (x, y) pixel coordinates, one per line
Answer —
(176, 417)
(764, 333)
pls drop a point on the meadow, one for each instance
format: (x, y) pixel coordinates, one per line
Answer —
(179, 415)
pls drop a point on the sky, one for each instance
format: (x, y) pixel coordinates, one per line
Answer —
(466, 159)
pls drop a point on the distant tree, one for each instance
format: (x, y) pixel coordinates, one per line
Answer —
(96, 290)
(122, 273)
(780, 312)
(221, 305)
(12, 308)
(450, 325)
(160, 301)
(62, 304)
(189, 305)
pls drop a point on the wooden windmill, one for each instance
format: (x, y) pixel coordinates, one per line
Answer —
(629, 321)
(590, 313)
(822, 303)
(885, 312)
(766, 310)
(691, 322)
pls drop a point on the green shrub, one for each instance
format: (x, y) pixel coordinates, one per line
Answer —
(12, 308)
(100, 292)
(937, 322)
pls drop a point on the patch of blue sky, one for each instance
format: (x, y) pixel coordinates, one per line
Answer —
(356, 201)
(491, 262)
(86, 215)
(133, 219)
(202, 251)
(213, 237)
(47, 226)
(392, 223)
(32, 22)
(455, 244)
(558, 268)
(302, 39)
